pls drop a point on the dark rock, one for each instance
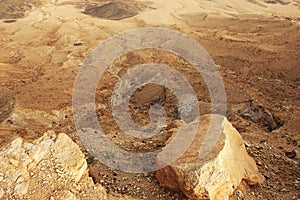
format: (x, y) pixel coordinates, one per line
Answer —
(112, 11)
(256, 113)
(10, 21)
(291, 154)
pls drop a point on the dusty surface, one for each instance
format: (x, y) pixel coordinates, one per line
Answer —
(255, 44)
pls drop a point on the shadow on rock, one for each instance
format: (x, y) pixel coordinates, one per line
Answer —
(258, 114)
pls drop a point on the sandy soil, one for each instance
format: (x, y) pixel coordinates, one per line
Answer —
(255, 43)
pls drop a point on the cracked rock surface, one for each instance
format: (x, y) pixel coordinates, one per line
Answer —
(219, 173)
(51, 167)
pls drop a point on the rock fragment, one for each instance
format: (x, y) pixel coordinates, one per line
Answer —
(49, 167)
(69, 155)
(2, 192)
(216, 176)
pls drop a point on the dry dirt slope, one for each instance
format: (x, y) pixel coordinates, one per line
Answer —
(256, 43)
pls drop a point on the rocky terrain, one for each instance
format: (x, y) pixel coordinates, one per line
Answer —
(51, 167)
(255, 44)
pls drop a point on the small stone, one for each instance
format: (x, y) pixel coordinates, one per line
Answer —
(27, 145)
(14, 162)
(259, 163)
(78, 43)
(21, 188)
(291, 154)
(2, 192)
(146, 174)
(247, 144)
(58, 171)
(283, 190)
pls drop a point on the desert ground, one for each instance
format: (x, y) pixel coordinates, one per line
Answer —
(254, 43)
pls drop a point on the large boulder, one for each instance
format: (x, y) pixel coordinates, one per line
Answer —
(219, 173)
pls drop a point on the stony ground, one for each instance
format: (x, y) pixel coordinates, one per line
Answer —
(44, 43)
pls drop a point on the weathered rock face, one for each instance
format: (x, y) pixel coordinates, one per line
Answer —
(52, 167)
(216, 176)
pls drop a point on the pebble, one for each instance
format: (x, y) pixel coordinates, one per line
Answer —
(283, 190)
(291, 154)
(2, 192)
(44, 182)
(14, 162)
(146, 174)
(58, 171)
(21, 188)
(259, 163)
